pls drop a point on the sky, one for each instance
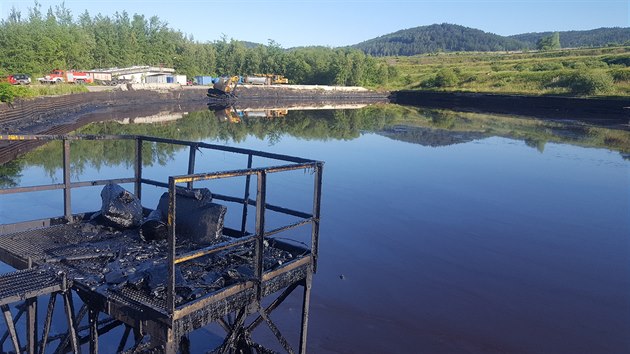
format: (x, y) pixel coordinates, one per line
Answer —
(293, 23)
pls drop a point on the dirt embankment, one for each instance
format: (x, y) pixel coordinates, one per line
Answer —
(42, 114)
(547, 107)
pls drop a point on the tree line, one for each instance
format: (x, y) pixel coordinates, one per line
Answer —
(455, 38)
(39, 41)
(435, 38)
(598, 37)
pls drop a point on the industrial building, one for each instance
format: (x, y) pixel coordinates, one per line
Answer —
(138, 74)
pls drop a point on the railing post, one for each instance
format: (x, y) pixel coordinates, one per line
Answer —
(317, 200)
(306, 303)
(191, 163)
(246, 197)
(31, 320)
(67, 192)
(260, 231)
(170, 286)
(138, 169)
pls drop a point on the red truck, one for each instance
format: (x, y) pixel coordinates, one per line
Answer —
(73, 77)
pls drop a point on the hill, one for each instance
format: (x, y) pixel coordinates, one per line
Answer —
(439, 37)
(572, 39)
(455, 38)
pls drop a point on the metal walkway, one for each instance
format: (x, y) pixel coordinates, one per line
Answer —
(66, 255)
(22, 288)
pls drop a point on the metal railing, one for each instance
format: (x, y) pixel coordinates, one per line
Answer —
(260, 204)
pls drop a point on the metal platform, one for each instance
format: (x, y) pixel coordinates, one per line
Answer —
(28, 283)
(222, 283)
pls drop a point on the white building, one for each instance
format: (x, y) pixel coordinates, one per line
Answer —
(137, 74)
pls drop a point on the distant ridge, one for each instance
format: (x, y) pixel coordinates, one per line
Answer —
(439, 37)
(455, 38)
(590, 38)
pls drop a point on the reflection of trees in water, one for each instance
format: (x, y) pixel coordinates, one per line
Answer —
(535, 133)
(10, 172)
(195, 126)
(421, 126)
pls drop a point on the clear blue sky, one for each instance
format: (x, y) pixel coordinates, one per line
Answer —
(345, 22)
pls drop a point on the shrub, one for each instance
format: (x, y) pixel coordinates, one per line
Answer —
(7, 92)
(588, 83)
(547, 66)
(446, 77)
(596, 64)
(496, 67)
(521, 67)
(577, 65)
(621, 75)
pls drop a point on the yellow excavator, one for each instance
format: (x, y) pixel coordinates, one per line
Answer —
(275, 78)
(227, 84)
(223, 91)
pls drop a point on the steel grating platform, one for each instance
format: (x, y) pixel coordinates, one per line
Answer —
(84, 252)
(28, 283)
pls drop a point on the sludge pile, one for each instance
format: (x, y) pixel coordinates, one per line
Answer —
(129, 247)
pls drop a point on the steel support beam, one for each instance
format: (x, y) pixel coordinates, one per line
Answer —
(72, 330)
(170, 257)
(11, 327)
(317, 201)
(246, 196)
(306, 301)
(191, 163)
(31, 325)
(93, 323)
(259, 247)
(48, 321)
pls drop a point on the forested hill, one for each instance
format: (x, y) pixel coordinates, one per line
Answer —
(438, 37)
(572, 39)
(455, 38)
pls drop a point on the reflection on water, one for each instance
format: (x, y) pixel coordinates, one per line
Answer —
(441, 231)
(234, 124)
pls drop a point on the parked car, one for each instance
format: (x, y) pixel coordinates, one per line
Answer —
(19, 79)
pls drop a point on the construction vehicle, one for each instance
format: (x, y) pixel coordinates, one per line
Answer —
(274, 79)
(227, 114)
(263, 113)
(279, 79)
(58, 76)
(223, 91)
(257, 80)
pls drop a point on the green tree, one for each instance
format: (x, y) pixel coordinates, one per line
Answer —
(42, 41)
(551, 42)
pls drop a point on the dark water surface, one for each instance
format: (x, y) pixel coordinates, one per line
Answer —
(441, 231)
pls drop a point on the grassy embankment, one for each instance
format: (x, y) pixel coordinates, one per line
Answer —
(595, 72)
(8, 92)
(590, 72)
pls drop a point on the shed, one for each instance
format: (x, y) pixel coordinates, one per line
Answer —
(179, 79)
(157, 79)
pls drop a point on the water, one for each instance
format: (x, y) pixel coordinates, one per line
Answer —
(440, 232)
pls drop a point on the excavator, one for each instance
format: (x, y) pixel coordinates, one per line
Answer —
(274, 79)
(222, 92)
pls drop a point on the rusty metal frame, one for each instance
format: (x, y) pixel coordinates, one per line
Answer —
(288, 163)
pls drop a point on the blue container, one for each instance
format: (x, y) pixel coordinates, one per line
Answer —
(203, 80)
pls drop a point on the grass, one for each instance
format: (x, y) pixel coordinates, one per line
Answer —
(592, 72)
(8, 92)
